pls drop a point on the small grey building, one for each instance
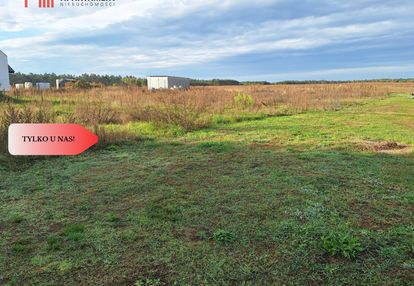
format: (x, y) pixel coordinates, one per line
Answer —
(42, 85)
(167, 82)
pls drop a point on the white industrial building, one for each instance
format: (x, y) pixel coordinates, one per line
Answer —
(42, 85)
(167, 82)
(28, 85)
(5, 69)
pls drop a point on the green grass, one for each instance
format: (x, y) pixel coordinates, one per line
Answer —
(287, 200)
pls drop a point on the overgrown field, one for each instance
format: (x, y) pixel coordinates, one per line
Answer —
(110, 112)
(260, 185)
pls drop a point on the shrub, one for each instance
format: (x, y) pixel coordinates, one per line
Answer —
(341, 243)
(244, 100)
(82, 84)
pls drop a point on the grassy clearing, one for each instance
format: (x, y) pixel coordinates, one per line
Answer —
(293, 200)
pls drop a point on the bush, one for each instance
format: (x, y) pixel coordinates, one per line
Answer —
(341, 243)
(243, 100)
(82, 84)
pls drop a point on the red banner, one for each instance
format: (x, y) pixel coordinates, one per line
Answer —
(49, 139)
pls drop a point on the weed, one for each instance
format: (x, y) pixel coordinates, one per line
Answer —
(22, 246)
(16, 217)
(341, 243)
(64, 266)
(53, 242)
(224, 236)
(74, 232)
(114, 218)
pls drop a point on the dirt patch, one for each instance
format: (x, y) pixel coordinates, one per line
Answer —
(55, 227)
(389, 147)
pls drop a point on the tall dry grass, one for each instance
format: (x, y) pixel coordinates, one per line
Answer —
(190, 109)
(40, 112)
(218, 99)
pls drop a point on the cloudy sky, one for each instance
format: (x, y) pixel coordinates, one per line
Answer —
(242, 39)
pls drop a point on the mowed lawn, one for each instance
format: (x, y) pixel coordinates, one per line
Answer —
(319, 198)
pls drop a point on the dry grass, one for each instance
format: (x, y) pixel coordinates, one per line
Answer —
(219, 99)
(39, 112)
(91, 113)
(387, 147)
(112, 136)
(190, 109)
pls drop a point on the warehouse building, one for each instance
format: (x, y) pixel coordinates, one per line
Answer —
(167, 82)
(28, 85)
(5, 70)
(42, 85)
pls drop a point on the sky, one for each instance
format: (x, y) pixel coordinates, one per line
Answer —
(272, 40)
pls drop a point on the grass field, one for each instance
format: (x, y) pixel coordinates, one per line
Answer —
(259, 192)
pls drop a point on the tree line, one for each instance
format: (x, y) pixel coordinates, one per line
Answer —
(106, 80)
(112, 80)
